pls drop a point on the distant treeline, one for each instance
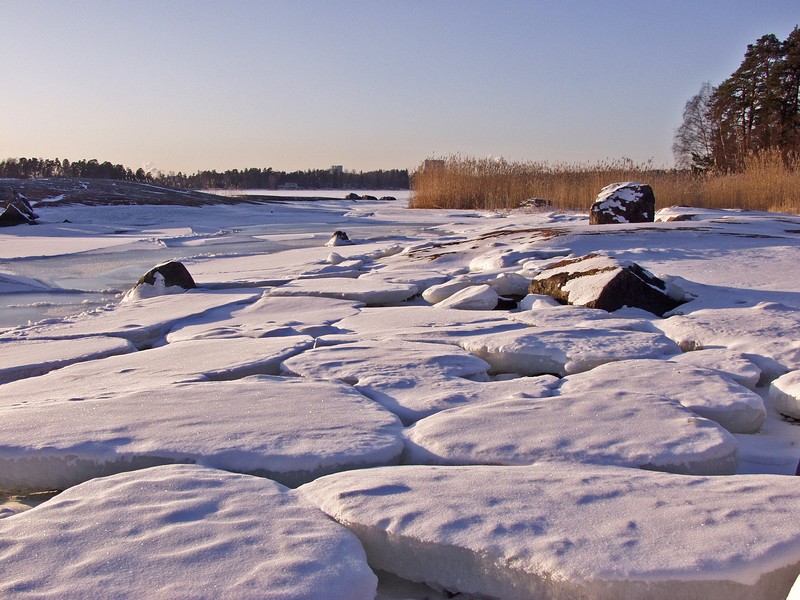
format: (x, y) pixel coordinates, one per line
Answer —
(267, 179)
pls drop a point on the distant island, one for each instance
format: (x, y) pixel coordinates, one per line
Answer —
(335, 177)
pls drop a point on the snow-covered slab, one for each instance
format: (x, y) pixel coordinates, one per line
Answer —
(784, 393)
(425, 322)
(768, 334)
(706, 392)
(566, 315)
(728, 362)
(535, 351)
(565, 531)
(613, 428)
(269, 316)
(180, 531)
(193, 360)
(28, 358)
(143, 322)
(368, 291)
(421, 278)
(411, 379)
(288, 429)
(477, 297)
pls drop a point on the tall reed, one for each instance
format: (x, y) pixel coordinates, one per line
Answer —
(769, 182)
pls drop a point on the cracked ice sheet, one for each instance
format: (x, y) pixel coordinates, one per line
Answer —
(181, 531)
(28, 358)
(425, 323)
(613, 428)
(193, 360)
(290, 430)
(269, 316)
(768, 334)
(563, 531)
(368, 291)
(705, 392)
(535, 351)
(144, 322)
(411, 379)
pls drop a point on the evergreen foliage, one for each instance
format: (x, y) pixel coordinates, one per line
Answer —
(756, 109)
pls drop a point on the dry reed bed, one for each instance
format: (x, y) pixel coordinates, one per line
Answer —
(768, 182)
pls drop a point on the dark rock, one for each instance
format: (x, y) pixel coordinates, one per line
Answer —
(388, 198)
(535, 203)
(339, 238)
(623, 203)
(16, 210)
(368, 197)
(597, 281)
(352, 196)
(174, 274)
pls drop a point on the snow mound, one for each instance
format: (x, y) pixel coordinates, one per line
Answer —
(28, 358)
(705, 392)
(559, 530)
(290, 430)
(477, 297)
(535, 351)
(615, 428)
(181, 531)
(784, 393)
(734, 365)
(768, 334)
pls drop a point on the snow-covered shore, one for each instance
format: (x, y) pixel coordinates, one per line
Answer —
(305, 424)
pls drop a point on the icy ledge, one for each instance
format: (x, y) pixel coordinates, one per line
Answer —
(565, 531)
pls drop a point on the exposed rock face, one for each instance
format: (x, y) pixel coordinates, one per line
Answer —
(603, 282)
(16, 210)
(167, 278)
(628, 202)
(173, 272)
(339, 238)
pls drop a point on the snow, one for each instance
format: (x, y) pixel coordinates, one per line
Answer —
(785, 394)
(180, 531)
(567, 530)
(476, 297)
(326, 367)
(706, 392)
(20, 359)
(615, 428)
(290, 430)
(562, 351)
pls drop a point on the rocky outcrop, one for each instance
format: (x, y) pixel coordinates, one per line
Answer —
(167, 278)
(628, 202)
(16, 210)
(598, 281)
(339, 238)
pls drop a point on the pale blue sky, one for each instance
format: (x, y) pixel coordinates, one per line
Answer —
(185, 85)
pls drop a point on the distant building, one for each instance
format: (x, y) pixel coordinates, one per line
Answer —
(337, 169)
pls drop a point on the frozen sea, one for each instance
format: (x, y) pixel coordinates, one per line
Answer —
(359, 421)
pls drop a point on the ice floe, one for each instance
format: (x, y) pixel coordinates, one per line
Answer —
(181, 531)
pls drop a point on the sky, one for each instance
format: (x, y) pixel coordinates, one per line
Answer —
(189, 85)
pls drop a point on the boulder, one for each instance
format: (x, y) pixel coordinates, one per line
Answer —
(628, 202)
(16, 210)
(352, 196)
(599, 281)
(167, 278)
(339, 238)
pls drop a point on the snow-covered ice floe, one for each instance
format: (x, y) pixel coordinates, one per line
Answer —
(290, 430)
(325, 368)
(181, 531)
(564, 530)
